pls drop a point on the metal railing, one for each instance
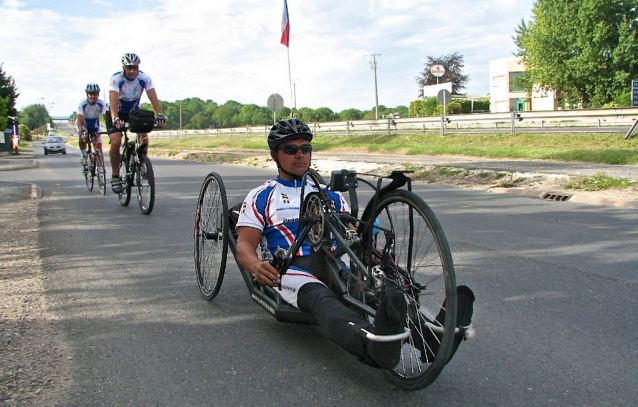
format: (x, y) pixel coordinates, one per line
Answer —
(498, 122)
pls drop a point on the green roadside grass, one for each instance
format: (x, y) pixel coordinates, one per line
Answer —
(601, 148)
(587, 147)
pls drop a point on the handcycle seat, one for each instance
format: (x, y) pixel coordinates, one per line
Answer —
(267, 297)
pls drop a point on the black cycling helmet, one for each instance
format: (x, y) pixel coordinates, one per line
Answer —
(288, 129)
(92, 87)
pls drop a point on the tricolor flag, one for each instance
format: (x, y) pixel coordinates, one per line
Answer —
(285, 26)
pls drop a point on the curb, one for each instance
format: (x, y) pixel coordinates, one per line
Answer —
(566, 197)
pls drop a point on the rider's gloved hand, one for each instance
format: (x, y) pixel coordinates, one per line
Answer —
(161, 119)
(118, 123)
(82, 135)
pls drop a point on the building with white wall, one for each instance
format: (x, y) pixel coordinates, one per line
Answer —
(506, 96)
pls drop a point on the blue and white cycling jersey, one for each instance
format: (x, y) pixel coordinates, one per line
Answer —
(130, 91)
(273, 208)
(91, 113)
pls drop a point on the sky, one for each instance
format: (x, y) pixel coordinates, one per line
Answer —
(224, 50)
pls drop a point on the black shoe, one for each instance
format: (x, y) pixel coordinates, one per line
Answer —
(116, 184)
(389, 320)
(427, 341)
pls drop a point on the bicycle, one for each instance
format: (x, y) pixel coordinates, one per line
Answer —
(397, 243)
(94, 163)
(137, 171)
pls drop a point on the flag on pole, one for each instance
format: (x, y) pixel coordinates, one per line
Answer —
(285, 26)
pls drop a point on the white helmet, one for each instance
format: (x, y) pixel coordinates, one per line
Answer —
(130, 59)
(92, 87)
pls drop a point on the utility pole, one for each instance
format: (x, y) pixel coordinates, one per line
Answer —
(373, 65)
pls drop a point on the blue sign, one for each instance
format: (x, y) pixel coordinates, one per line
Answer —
(634, 92)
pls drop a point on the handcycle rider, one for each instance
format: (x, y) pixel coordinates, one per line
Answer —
(125, 90)
(88, 119)
(269, 216)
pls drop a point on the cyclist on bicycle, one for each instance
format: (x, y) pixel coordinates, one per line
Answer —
(269, 216)
(125, 90)
(88, 118)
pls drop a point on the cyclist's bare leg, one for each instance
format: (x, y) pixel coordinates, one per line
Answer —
(144, 140)
(114, 153)
(82, 145)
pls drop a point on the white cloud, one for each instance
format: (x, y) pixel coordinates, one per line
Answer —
(229, 50)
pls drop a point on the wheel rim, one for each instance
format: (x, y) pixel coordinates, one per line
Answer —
(210, 241)
(424, 255)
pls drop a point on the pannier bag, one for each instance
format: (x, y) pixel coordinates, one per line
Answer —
(141, 121)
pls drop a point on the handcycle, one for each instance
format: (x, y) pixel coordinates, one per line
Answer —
(136, 171)
(94, 165)
(396, 243)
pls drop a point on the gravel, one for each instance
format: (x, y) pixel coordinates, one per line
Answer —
(33, 355)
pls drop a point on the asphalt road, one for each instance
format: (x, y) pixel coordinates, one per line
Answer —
(556, 308)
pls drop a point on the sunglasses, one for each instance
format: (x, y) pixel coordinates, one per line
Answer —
(131, 66)
(93, 93)
(292, 150)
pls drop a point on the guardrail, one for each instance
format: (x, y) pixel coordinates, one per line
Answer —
(499, 122)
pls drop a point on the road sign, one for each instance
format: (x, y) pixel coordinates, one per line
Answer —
(275, 103)
(437, 70)
(634, 92)
(444, 96)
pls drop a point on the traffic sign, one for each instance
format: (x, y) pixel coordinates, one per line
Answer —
(444, 96)
(634, 92)
(437, 70)
(275, 103)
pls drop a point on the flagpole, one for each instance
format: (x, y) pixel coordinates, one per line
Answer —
(290, 83)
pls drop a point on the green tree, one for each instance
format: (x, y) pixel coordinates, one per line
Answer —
(226, 115)
(453, 65)
(324, 114)
(586, 50)
(8, 92)
(199, 121)
(253, 115)
(4, 112)
(34, 116)
(350, 114)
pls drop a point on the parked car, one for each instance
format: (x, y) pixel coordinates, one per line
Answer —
(54, 144)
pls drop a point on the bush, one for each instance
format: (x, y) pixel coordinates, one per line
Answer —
(423, 107)
(25, 133)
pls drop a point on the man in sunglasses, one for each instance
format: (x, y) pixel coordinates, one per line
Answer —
(88, 118)
(269, 217)
(125, 90)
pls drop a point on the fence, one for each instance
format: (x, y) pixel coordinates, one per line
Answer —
(498, 122)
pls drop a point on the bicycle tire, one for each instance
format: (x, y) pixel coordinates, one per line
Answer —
(145, 183)
(88, 174)
(125, 194)
(211, 236)
(101, 172)
(419, 248)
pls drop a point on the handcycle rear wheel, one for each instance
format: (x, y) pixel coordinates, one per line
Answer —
(125, 193)
(100, 170)
(413, 242)
(145, 183)
(211, 235)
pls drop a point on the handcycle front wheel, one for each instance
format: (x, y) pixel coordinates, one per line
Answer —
(415, 257)
(211, 236)
(145, 183)
(125, 193)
